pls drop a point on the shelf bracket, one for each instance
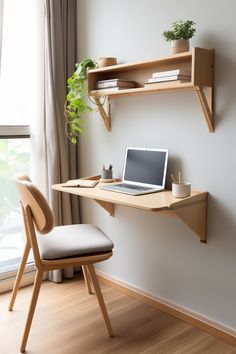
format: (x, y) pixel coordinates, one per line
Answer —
(105, 114)
(109, 207)
(195, 216)
(207, 105)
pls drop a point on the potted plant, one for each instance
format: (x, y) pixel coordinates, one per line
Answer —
(76, 105)
(179, 35)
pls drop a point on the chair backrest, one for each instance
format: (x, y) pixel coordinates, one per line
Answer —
(31, 196)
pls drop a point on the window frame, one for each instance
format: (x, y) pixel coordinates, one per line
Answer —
(14, 131)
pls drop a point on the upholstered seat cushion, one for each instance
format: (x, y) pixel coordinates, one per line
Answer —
(73, 240)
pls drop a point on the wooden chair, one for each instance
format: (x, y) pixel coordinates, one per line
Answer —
(56, 248)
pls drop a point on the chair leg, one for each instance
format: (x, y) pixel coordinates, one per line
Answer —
(87, 279)
(100, 298)
(19, 275)
(37, 285)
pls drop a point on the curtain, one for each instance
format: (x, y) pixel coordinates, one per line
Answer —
(55, 159)
(1, 27)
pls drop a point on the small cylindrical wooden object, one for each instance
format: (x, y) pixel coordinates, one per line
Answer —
(106, 61)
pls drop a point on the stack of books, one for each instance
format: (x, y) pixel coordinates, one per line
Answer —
(177, 76)
(114, 84)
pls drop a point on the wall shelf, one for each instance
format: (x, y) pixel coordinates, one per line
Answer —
(199, 61)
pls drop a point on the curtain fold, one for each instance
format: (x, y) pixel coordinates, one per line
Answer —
(55, 159)
(60, 57)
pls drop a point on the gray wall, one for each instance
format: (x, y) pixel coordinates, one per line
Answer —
(157, 253)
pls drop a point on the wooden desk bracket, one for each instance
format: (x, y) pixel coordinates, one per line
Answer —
(109, 207)
(105, 114)
(207, 105)
(195, 216)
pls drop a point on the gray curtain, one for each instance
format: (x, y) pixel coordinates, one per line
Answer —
(1, 27)
(60, 57)
(59, 63)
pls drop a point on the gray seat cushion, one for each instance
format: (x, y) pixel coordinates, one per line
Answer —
(73, 240)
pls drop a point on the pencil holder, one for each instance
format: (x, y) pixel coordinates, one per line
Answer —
(106, 174)
(181, 190)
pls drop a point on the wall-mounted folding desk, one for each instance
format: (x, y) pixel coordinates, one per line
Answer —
(191, 210)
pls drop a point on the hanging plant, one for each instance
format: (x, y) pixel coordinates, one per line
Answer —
(76, 105)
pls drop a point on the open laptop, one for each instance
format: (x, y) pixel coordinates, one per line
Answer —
(144, 172)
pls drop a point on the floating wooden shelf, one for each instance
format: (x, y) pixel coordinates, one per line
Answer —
(199, 61)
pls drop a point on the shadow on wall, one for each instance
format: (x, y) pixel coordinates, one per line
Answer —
(174, 166)
(224, 75)
(221, 224)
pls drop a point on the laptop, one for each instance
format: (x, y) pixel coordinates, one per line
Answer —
(144, 172)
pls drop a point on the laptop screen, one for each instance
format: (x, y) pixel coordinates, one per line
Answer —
(145, 166)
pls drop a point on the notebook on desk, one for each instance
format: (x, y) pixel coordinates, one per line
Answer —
(144, 172)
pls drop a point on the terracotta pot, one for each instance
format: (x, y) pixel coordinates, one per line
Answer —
(179, 46)
(106, 61)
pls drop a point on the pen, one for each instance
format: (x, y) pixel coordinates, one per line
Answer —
(179, 177)
(173, 179)
(110, 167)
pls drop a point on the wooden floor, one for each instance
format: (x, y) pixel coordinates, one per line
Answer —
(68, 321)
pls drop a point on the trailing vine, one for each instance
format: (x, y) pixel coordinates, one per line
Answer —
(76, 106)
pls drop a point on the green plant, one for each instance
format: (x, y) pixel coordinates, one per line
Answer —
(180, 30)
(76, 105)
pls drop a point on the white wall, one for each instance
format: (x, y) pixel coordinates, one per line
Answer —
(157, 253)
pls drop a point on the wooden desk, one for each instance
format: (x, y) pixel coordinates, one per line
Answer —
(191, 210)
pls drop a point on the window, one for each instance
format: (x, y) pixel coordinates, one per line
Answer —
(14, 158)
(16, 78)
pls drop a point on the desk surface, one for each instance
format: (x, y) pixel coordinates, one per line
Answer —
(191, 210)
(153, 202)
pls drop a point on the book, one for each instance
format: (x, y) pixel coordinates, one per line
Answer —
(85, 183)
(170, 78)
(165, 84)
(172, 72)
(114, 83)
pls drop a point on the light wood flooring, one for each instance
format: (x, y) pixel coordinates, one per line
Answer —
(68, 321)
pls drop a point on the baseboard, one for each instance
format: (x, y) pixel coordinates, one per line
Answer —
(212, 328)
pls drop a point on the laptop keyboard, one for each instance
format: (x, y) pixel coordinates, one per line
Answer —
(130, 189)
(131, 186)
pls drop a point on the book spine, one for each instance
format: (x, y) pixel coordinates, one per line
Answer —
(171, 72)
(114, 84)
(168, 84)
(170, 78)
(106, 84)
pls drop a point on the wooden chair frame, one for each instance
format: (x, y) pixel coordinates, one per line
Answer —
(42, 266)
